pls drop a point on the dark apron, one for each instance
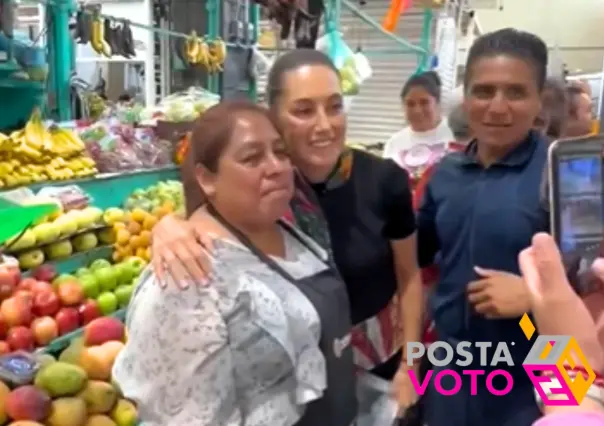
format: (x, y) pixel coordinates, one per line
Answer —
(327, 293)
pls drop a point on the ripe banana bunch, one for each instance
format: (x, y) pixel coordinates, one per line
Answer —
(65, 143)
(217, 52)
(97, 38)
(193, 49)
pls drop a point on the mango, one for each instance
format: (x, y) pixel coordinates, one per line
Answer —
(61, 379)
(102, 330)
(98, 361)
(28, 403)
(4, 392)
(72, 353)
(99, 420)
(25, 423)
(67, 412)
(100, 397)
(124, 413)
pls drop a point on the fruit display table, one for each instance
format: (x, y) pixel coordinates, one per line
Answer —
(65, 284)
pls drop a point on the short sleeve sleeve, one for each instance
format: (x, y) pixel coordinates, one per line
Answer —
(177, 364)
(398, 202)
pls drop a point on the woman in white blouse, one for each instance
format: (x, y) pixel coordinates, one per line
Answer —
(266, 344)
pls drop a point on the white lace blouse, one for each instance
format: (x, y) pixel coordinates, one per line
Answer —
(242, 351)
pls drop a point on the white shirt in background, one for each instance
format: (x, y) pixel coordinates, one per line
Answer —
(406, 139)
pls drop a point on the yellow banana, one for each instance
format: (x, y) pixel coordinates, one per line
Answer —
(96, 35)
(203, 54)
(192, 48)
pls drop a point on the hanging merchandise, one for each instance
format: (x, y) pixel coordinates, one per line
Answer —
(197, 52)
(304, 14)
(354, 67)
(396, 9)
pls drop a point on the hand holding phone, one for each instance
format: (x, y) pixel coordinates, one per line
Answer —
(576, 194)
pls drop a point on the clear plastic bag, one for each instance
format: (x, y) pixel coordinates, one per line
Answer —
(376, 406)
(183, 106)
(354, 68)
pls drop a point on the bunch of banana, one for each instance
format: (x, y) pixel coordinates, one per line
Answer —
(82, 166)
(36, 136)
(192, 48)
(97, 38)
(22, 148)
(217, 52)
(65, 143)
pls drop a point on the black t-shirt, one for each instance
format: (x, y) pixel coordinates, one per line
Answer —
(364, 214)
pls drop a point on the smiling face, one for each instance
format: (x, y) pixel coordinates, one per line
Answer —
(502, 100)
(253, 181)
(310, 110)
(421, 109)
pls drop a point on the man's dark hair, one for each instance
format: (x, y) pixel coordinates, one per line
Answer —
(513, 43)
(429, 81)
(291, 61)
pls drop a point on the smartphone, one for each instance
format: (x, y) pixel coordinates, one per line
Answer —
(576, 191)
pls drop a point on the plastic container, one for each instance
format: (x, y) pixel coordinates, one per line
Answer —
(18, 368)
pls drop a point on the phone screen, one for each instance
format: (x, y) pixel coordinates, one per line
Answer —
(580, 203)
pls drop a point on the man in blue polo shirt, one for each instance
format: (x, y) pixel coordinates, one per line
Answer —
(482, 208)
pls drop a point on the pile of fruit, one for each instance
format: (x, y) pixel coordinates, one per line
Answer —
(37, 309)
(37, 154)
(76, 389)
(59, 235)
(133, 234)
(157, 196)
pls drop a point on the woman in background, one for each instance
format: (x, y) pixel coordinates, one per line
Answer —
(426, 128)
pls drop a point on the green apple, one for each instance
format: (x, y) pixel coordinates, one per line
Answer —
(107, 302)
(137, 264)
(31, 259)
(123, 294)
(106, 278)
(90, 285)
(99, 264)
(59, 250)
(82, 271)
(63, 278)
(85, 241)
(126, 272)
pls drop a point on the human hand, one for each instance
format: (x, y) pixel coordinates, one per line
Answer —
(498, 294)
(556, 308)
(402, 389)
(179, 251)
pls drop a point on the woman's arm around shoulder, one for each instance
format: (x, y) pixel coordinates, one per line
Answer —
(177, 363)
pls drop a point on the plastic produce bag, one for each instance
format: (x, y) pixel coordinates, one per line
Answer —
(354, 67)
(183, 106)
(376, 406)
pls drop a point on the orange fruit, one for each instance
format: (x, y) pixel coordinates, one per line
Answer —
(139, 215)
(140, 252)
(148, 254)
(122, 237)
(119, 225)
(145, 238)
(134, 228)
(135, 242)
(149, 222)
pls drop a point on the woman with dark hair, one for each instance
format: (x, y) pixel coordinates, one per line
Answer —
(355, 205)
(420, 97)
(479, 210)
(554, 112)
(267, 342)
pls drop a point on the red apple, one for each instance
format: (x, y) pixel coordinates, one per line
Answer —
(4, 348)
(45, 273)
(41, 286)
(70, 293)
(26, 283)
(3, 327)
(16, 311)
(89, 310)
(20, 338)
(9, 278)
(68, 319)
(46, 303)
(45, 330)
(26, 296)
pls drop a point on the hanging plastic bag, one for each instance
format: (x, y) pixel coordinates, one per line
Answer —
(354, 67)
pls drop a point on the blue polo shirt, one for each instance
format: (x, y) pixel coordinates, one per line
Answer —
(476, 216)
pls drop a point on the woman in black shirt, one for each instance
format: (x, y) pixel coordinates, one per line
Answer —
(354, 204)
